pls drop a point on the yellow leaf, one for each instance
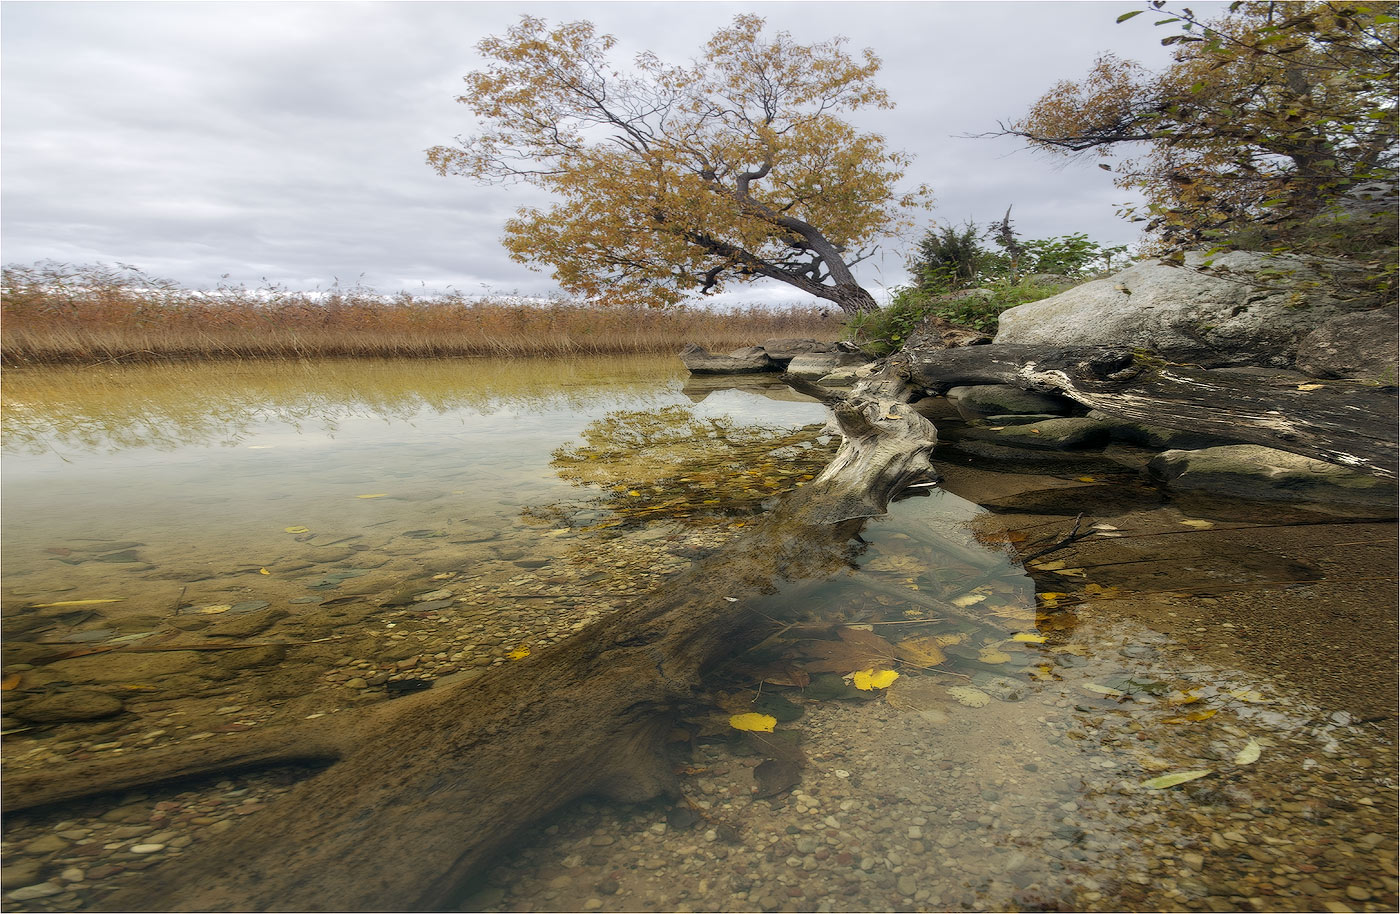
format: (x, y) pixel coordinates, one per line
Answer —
(1249, 754)
(1048, 566)
(376, 495)
(967, 695)
(11, 681)
(520, 653)
(1086, 479)
(868, 680)
(1029, 638)
(263, 571)
(1179, 697)
(968, 599)
(1194, 717)
(214, 610)
(79, 602)
(1310, 386)
(1199, 524)
(634, 493)
(925, 651)
(1100, 689)
(298, 529)
(952, 638)
(753, 721)
(1171, 780)
(1248, 695)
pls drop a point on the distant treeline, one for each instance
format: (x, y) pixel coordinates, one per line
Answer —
(60, 314)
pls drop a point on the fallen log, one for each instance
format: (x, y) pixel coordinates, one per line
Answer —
(426, 791)
(1348, 423)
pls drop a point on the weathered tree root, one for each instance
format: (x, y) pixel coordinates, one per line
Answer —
(425, 794)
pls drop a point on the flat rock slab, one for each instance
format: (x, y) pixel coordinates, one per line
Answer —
(1255, 473)
(699, 360)
(980, 400)
(815, 366)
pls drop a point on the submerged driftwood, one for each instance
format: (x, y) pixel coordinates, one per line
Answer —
(423, 793)
(1348, 423)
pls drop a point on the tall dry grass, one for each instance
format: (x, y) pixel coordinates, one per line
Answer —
(60, 314)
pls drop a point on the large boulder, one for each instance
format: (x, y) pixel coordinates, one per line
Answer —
(935, 332)
(1360, 346)
(1242, 309)
(699, 360)
(1255, 473)
(785, 350)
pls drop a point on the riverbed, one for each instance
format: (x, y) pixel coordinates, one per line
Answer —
(223, 548)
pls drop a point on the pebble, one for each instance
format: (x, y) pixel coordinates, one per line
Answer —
(32, 892)
(146, 848)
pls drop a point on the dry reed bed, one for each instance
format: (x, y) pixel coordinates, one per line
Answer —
(53, 314)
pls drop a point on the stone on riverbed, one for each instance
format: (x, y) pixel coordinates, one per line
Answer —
(785, 350)
(816, 366)
(1255, 473)
(65, 707)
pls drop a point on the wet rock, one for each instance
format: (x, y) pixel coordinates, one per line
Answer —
(698, 360)
(19, 873)
(32, 892)
(249, 624)
(818, 365)
(785, 350)
(1156, 436)
(1056, 434)
(1255, 473)
(125, 667)
(980, 400)
(64, 707)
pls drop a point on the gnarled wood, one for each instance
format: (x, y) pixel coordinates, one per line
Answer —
(1347, 423)
(427, 793)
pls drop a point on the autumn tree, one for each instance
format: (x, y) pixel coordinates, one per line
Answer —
(1270, 128)
(675, 179)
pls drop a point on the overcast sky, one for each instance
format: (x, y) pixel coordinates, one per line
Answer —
(285, 141)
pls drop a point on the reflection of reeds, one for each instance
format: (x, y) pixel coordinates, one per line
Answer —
(57, 314)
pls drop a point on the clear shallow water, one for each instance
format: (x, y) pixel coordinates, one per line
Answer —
(508, 504)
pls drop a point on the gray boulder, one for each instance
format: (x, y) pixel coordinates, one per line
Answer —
(1254, 473)
(1360, 346)
(981, 400)
(815, 366)
(1243, 309)
(698, 360)
(785, 350)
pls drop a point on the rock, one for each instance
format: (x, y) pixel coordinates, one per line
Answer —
(252, 657)
(907, 885)
(846, 377)
(744, 361)
(1048, 434)
(45, 844)
(785, 350)
(1156, 436)
(17, 874)
(982, 400)
(31, 892)
(117, 666)
(64, 707)
(1359, 346)
(146, 848)
(247, 624)
(1232, 315)
(818, 365)
(1255, 473)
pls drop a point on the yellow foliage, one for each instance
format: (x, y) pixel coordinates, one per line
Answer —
(868, 680)
(753, 721)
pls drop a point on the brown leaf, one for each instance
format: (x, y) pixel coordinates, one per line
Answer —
(774, 776)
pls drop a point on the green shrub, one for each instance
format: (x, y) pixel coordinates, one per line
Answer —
(884, 331)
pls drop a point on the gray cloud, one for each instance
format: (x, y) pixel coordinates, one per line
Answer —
(286, 140)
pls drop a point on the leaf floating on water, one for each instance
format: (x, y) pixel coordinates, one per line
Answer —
(759, 723)
(375, 495)
(1310, 386)
(1194, 717)
(1101, 690)
(1086, 479)
(969, 599)
(520, 653)
(967, 695)
(1175, 778)
(79, 602)
(1028, 638)
(1200, 524)
(869, 680)
(925, 651)
(214, 610)
(296, 529)
(1249, 754)
(263, 571)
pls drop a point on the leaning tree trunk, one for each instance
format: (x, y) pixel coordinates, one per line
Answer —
(1348, 423)
(426, 793)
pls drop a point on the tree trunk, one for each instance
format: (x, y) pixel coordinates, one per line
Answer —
(1347, 423)
(429, 788)
(852, 299)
